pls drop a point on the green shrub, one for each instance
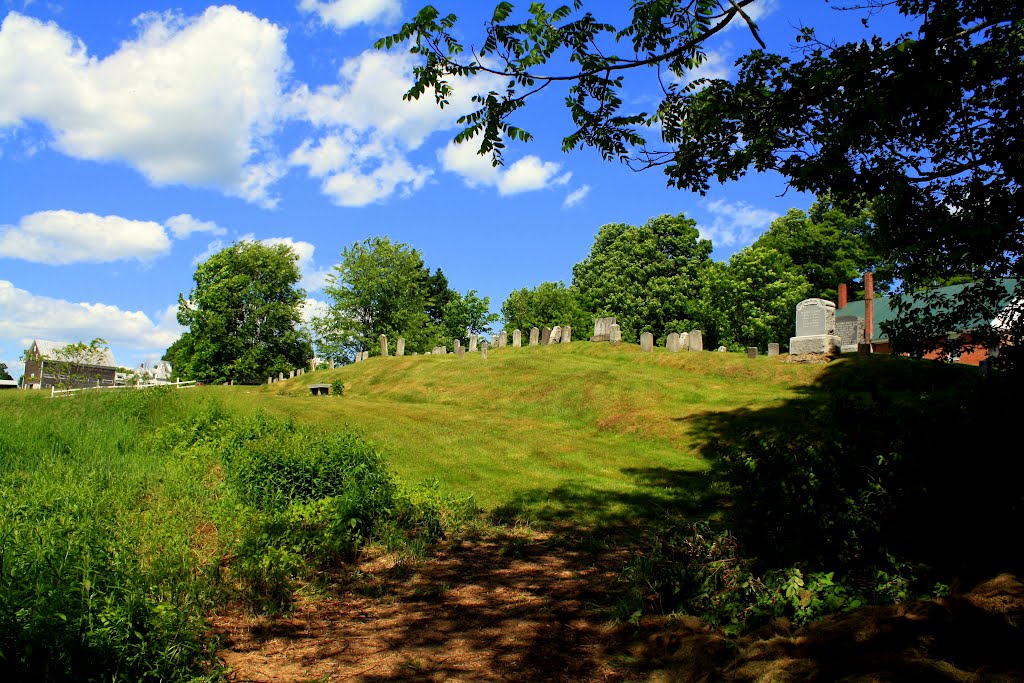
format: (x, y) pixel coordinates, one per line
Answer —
(337, 388)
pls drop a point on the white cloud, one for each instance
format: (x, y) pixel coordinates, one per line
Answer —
(735, 224)
(28, 316)
(756, 11)
(342, 14)
(62, 237)
(183, 225)
(190, 100)
(313, 278)
(363, 157)
(211, 249)
(576, 196)
(313, 308)
(526, 174)
(716, 65)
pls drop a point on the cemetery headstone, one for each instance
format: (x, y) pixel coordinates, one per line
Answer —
(534, 336)
(312, 364)
(556, 335)
(503, 339)
(773, 349)
(722, 349)
(696, 340)
(457, 345)
(602, 329)
(672, 342)
(291, 374)
(850, 330)
(566, 335)
(647, 342)
(383, 346)
(461, 351)
(615, 334)
(517, 339)
(444, 350)
(400, 347)
(330, 363)
(483, 350)
(751, 352)
(270, 380)
(815, 329)
(545, 336)
(280, 377)
(472, 343)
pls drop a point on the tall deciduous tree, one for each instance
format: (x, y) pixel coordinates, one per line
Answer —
(546, 305)
(379, 287)
(926, 125)
(648, 277)
(466, 314)
(828, 246)
(3, 372)
(242, 316)
(751, 300)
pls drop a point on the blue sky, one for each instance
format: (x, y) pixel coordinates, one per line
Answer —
(138, 137)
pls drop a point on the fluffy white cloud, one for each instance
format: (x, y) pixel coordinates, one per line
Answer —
(28, 316)
(735, 224)
(342, 14)
(190, 100)
(362, 159)
(313, 278)
(183, 225)
(526, 174)
(313, 308)
(576, 196)
(62, 237)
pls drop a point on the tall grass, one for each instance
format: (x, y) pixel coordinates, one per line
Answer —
(102, 553)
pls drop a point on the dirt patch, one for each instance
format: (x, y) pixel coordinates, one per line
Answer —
(518, 608)
(529, 607)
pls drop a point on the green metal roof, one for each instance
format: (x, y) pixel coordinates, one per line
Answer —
(884, 310)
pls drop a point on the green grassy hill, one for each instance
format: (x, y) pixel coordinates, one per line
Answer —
(584, 430)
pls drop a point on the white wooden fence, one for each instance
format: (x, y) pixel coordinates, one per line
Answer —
(57, 393)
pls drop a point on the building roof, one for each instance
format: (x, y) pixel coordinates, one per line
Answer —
(8, 382)
(885, 306)
(49, 349)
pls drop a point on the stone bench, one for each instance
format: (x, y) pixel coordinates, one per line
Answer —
(320, 389)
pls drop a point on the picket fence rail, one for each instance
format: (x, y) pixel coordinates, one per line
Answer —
(58, 393)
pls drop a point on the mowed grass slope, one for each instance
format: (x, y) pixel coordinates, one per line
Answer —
(591, 431)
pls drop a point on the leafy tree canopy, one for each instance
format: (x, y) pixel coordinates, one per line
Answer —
(379, 287)
(828, 246)
(242, 316)
(3, 372)
(546, 305)
(467, 314)
(925, 125)
(647, 277)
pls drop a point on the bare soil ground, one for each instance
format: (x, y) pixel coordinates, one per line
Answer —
(529, 607)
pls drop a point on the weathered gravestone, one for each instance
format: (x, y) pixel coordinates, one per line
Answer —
(502, 339)
(614, 334)
(400, 348)
(312, 364)
(602, 329)
(556, 335)
(647, 342)
(270, 380)
(815, 329)
(483, 350)
(458, 345)
(722, 349)
(696, 340)
(291, 374)
(444, 350)
(773, 349)
(684, 341)
(383, 346)
(545, 336)
(517, 339)
(534, 336)
(461, 351)
(850, 330)
(330, 363)
(566, 335)
(751, 352)
(672, 342)
(472, 343)
(280, 377)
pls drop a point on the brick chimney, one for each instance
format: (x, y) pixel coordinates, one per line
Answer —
(842, 296)
(869, 305)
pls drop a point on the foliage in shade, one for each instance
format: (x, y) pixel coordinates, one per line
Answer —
(243, 315)
(648, 277)
(3, 372)
(467, 314)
